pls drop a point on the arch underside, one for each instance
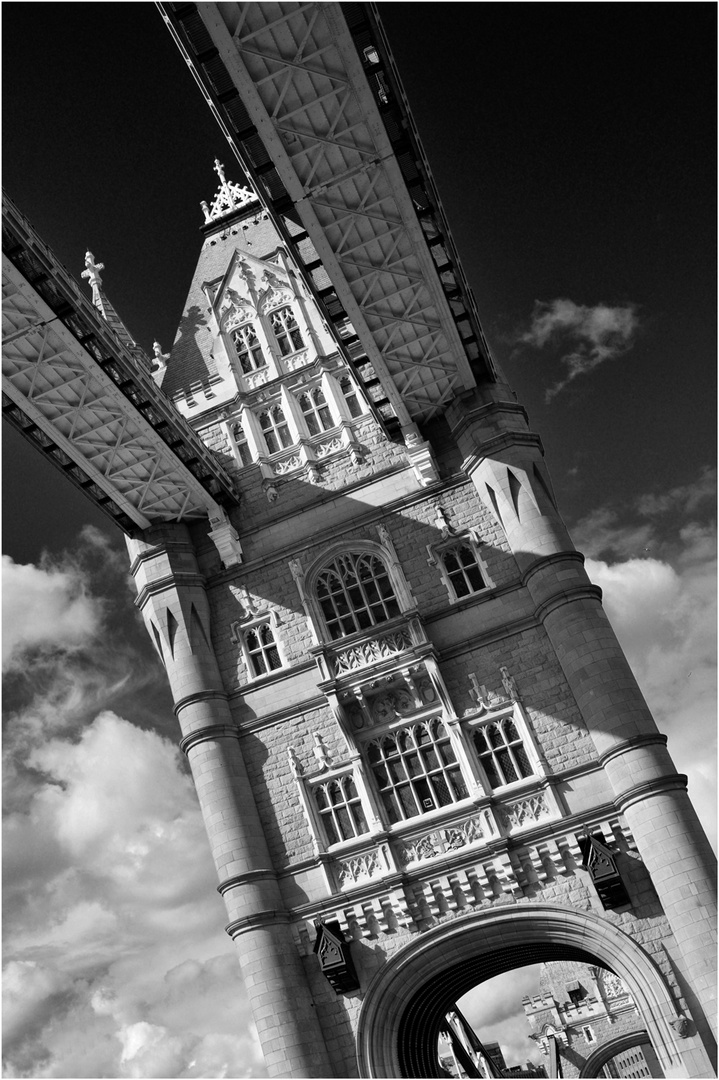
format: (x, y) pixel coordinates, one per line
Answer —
(405, 1004)
(422, 1020)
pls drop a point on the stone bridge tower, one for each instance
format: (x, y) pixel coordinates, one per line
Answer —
(420, 753)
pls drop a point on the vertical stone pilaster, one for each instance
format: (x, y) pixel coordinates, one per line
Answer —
(173, 601)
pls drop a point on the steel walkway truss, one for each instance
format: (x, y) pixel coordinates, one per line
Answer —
(309, 98)
(74, 390)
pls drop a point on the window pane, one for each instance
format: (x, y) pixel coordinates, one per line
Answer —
(345, 825)
(507, 766)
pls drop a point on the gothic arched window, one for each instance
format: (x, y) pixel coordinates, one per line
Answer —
(501, 752)
(355, 593)
(286, 331)
(463, 572)
(275, 430)
(316, 411)
(340, 809)
(416, 770)
(262, 650)
(248, 349)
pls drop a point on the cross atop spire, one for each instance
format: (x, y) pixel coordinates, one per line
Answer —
(103, 305)
(229, 197)
(92, 271)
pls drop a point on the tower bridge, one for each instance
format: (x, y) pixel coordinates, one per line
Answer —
(421, 756)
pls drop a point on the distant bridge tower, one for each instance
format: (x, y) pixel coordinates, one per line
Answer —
(421, 756)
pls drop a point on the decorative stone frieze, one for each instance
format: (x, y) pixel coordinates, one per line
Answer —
(365, 653)
(366, 866)
(438, 841)
(520, 813)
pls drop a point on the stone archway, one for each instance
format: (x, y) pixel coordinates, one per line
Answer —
(608, 1050)
(405, 1002)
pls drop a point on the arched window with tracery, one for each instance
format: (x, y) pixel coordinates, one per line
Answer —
(262, 649)
(465, 576)
(316, 411)
(416, 770)
(340, 809)
(501, 751)
(248, 349)
(286, 331)
(355, 593)
(275, 430)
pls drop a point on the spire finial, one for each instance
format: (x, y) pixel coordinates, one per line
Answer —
(230, 196)
(92, 271)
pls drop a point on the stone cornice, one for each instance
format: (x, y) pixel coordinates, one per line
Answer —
(208, 734)
(655, 739)
(498, 443)
(197, 697)
(159, 548)
(640, 792)
(269, 917)
(547, 560)
(568, 596)
(247, 878)
(169, 581)
(470, 415)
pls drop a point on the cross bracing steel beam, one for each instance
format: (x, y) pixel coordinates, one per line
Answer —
(308, 97)
(72, 388)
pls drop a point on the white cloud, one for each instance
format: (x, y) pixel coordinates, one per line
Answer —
(495, 1012)
(591, 334)
(45, 609)
(114, 933)
(665, 619)
(655, 561)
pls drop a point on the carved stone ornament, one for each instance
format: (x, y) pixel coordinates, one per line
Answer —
(229, 197)
(226, 539)
(370, 652)
(485, 699)
(442, 524)
(321, 752)
(523, 812)
(249, 605)
(681, 1025)
(295, 764)
(159, 356)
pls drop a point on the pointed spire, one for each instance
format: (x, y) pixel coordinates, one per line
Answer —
(103, 305)
(229, 197)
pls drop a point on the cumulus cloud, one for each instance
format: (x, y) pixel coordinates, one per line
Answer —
(494, 1010)
(116, 938)
(587, 335)
(116, 961)
(655, 561)
(45, 609)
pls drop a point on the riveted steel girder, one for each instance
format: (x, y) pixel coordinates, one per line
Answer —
(73, 389)
(308, 96)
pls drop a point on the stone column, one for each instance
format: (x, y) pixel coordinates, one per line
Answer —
(504, 460)
(174, 605)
